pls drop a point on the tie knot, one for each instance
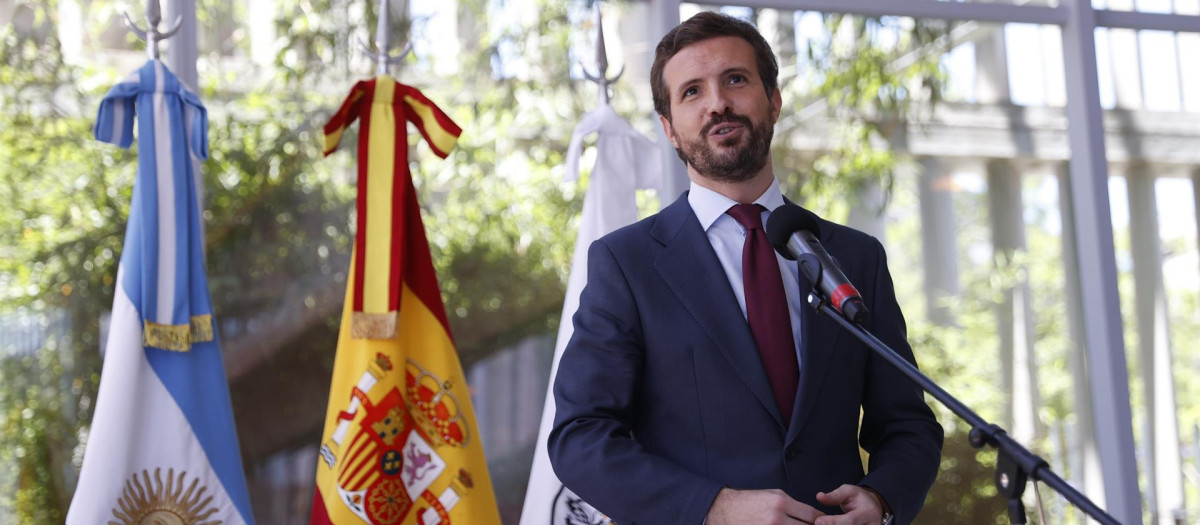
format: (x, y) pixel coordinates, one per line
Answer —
(748, 215)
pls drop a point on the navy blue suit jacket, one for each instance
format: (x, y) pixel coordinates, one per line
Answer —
(662, 399)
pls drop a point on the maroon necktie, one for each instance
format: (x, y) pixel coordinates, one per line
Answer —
(767, 309)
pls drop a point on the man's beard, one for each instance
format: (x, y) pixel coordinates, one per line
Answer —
(740, 164)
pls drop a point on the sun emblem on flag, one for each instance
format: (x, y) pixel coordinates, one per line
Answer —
(148, 501)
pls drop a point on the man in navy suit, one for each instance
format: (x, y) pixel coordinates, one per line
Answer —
(674, 401)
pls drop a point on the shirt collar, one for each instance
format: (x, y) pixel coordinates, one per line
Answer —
(709, 205)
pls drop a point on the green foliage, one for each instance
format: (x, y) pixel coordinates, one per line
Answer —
(277, 216)
(497, 206)
(35, 438)
(493, 210)
(964, 357)
(1185, 331)
(63, 202)
(873, 75)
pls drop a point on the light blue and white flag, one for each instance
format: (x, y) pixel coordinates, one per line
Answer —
(626, 161)
(162, 446)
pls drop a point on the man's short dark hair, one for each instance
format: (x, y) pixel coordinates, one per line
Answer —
(701, 27)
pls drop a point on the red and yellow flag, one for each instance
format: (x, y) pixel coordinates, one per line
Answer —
(384, 107)
(400, 445)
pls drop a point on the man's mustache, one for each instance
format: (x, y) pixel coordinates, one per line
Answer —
(724, 118)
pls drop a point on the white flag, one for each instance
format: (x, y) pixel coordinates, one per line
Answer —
(626, 161)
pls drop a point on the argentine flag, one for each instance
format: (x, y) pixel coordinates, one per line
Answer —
(162, 446)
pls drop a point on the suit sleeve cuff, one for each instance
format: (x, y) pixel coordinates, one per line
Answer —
(696, 510)
(883, 503)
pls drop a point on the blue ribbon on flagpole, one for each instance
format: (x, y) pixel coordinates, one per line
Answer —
(163, 256)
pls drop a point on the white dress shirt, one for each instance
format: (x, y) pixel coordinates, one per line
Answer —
(727, 237)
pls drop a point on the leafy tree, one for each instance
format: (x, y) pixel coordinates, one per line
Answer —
(35, 439)
(60, 237)
(873, 75)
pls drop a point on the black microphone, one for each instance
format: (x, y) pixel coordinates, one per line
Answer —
(793, 231)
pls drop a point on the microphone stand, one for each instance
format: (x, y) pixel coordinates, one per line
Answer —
(1015, 464)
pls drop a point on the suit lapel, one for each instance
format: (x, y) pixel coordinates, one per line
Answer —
(694, 274)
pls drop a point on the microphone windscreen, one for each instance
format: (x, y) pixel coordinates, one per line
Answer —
(785, 221)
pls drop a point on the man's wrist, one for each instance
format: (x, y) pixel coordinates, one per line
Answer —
(883, 504)
(723, 490)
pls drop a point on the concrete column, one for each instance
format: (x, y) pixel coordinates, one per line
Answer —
(665, 16)
(504, 393)
(1014, 321)
(638, 34)
(261, 27)
(938, 233)
(1164, 470)
(1196, 445)
(1014, 318)
(1052, 66)
(1084, 471)
(779, 29)
(480, 378)
(867, 212)
(181, 49)
(991, 80)
(444, 22)
(1196, 206)
(533, 367)
(70, 30)
(181, 55)
(1187, 45)
(1126, 67)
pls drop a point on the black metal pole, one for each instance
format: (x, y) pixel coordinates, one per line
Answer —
(1018, 461)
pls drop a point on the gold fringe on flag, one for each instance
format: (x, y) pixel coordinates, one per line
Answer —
(178, 337)
(365, 325)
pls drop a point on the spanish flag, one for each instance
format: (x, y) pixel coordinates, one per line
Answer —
(384, 108)
(399, 445)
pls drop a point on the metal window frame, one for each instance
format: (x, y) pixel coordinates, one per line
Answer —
(1094, 249)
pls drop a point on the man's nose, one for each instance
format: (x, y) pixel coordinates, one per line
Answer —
(718, 102)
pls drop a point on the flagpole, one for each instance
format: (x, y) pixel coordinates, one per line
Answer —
(181, 60)
(601, 77)
(151, 34)
(183, 50)
(383, 35)
(675, 179)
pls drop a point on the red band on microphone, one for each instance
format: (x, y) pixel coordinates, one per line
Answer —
(841, 293)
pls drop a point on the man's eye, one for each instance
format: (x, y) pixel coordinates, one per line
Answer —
(690, 91)
(737, 79)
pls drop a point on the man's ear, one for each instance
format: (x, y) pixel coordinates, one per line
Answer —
(776, 104)
(668, 130)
